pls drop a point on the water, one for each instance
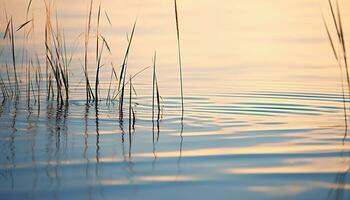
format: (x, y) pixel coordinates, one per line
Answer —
(264, 114)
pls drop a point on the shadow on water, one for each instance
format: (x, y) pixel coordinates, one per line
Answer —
(155, 137)
(97, 153)
(85, 150)
(33, 157)
(56, 146)
(180, 149)
(12, 146)
(339, 192)
(92, 173)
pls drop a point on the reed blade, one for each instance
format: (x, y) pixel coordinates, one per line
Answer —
(179, 57)
(24, 24)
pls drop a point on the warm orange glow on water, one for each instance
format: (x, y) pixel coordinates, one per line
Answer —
(259, 149)
(264, 110)
(247, 45)
(290, 190)
(148, 179)
(304, 166)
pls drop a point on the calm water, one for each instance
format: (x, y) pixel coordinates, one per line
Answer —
(263, 106)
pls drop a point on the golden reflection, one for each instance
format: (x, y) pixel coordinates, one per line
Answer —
(149, 179)
(299, 166)
(259, 149)
(280, 191)
(296, 188)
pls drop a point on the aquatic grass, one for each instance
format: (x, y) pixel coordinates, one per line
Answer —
(4, 89)
(57, 59)
(179, 57)
(57, 62)
(155, 90)
(98, 55)
(131, 113)
(89, 93)
(153, 83)
(113, 74)
(38, 81)
(29, 63)
(47, 48)
(124, 64)
(9, 32)
(98, 74)
(134, 76)
(122, 75)
(341, 55)
(8, 79)
(28, 81)
(130, 105)
(24, 24)
(97, 32)
(32, 81)
(108, 19)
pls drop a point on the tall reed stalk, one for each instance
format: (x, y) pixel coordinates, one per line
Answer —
(56, 59)
(122, 75)
(12, 41)
(155, 90)
(87, 37)
(179, 57)
(341, 54)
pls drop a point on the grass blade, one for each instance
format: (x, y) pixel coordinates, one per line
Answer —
(179, 57)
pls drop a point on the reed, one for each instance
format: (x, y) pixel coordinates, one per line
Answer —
(28, 81)
(89, 94)
(180, 60)
(99, 53)
(341, 54)
(155, 90)
(29, 63)
(122, 75)
(31, 82)
(158, 101)
(58, 62)
(12, 41)
(48, 82)
(38, 81)
(134, 76)
(130, 106)
(4, 89)
(98, 74)
(113, 74)
(8, 80)
(153, 83)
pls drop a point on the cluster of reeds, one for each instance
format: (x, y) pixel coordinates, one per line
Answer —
(11, 89)
(338, 45)
(57, 62)
(56, 58)
(8, 90)
(122, 74)
(89, 93)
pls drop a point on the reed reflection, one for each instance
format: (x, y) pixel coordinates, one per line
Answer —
(340, 192)
(12, 147)
(56, 119)
(85, 150)
(180, 149)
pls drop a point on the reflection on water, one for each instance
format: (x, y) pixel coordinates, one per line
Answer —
(80, 151)
(264, 114)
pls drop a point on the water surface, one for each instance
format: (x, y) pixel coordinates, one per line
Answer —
(264, 114)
